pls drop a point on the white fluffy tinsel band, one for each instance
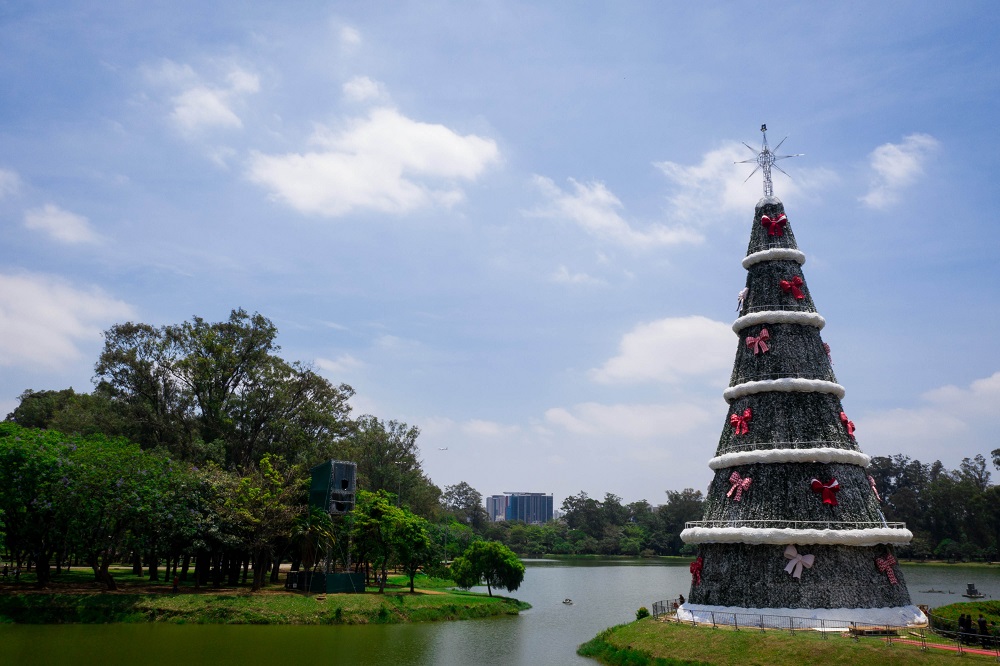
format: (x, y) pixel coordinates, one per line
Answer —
(778, 317)
(783, 535)
(784, 385)
(818, 455)
(802, 618)
(774, 254)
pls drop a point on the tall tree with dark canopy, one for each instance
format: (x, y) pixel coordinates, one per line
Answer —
(219, 391)
(792, 522)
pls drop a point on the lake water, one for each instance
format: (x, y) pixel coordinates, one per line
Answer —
(604, 593)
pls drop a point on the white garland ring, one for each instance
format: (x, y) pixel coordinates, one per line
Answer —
(774, 254)
(779, 317)
(770, 456)
(784, 385)
(804, 537)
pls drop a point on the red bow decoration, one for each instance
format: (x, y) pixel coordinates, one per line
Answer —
(884, 565)
(847, 424)
(871, 480)
(793, 286)
(695, 569)
(775, 227)
(826, 348)
(739, 485)
(759, 344)
(829, 490)
(740, 422)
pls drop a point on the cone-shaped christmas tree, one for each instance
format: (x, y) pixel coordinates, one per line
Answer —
(792, 523)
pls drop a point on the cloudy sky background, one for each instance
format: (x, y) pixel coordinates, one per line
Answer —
(516, 226)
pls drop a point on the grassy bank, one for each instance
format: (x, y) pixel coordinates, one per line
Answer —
(76, 599)
(665, 643)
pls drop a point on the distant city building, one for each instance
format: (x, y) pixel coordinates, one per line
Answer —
(496, 507)
(533, 508)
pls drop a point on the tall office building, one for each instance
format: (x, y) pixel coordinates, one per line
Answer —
(534, 508)
(496, 507)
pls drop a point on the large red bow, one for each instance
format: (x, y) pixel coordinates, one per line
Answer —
(695, 570)
(793, 286)
(759, 343)
(739, 485)
(775, 227)
(884, 565)
(829, 490)
(849, 424)
(741, 422)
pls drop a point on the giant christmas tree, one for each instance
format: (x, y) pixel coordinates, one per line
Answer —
(792, 523)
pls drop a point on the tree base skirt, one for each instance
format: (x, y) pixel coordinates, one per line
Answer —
(801, 618)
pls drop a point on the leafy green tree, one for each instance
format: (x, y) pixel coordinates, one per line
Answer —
(264, 503)
(681, 506)
(388, 459)
(412, 544)
(218, 391)
(466, 503)
(114, 489)
(33, 494)
(373, 532)
(488, 562)
(314, 535)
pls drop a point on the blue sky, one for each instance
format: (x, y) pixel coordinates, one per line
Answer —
(517, 226)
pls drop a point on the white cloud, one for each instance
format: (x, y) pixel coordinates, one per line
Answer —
(44, 320)
(201, 105)
(363, 89)
(62, 225)
(630, 421)
(669, 350)
(480, 428)
(341, 365)
(563, 276)
(896, 166)
(10, 183)
(349, 37)
(705, 193)
(951, 420)
(381, 162)
(595, 209)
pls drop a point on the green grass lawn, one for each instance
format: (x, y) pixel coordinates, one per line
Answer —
(651, 642)
(75, 598)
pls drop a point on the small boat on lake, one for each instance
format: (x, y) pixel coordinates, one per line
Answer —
(933, 591)
(972, 593)
(568, 602)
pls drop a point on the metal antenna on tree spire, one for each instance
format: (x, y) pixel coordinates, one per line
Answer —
(766, 159)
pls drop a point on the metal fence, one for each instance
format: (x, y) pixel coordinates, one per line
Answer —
(942, 633)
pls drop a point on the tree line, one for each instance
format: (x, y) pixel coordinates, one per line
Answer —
(191, 458)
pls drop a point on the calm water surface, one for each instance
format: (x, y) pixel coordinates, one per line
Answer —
(604, 593)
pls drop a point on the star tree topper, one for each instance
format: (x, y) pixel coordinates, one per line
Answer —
(766, 159)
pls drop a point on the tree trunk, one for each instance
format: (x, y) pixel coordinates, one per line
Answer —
(42, 570)
(259, 570)
(246, 570)
(217, 570)
(185, 564)
(234, 570)
(104, 575)
(153, 562)
(136, 564)
(276, 570)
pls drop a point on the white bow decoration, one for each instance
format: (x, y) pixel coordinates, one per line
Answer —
(797, 561)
